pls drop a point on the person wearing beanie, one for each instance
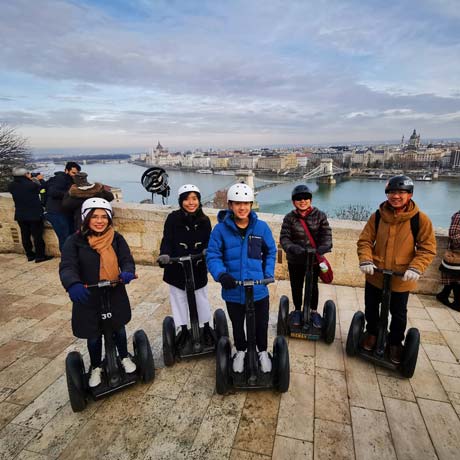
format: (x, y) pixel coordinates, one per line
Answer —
(80, 191)
(94, 253)
(29, 212)
(295, 243)
(186, 231)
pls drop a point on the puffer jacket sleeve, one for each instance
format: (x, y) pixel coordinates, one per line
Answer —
(69, 266)
(125, 258)
(324, 238)
(426, 245)
(214, 254)
(269, 252)
(366, 241)
(286, 238)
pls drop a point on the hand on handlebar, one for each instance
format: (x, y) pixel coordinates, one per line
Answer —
(126, 277)
(411, 275)
(78, 293)
(367, 268)
(227, 281)
(296, 250)
(163, 260)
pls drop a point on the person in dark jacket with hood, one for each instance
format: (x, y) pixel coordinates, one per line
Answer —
(96, 253)
(56, 188)
(29, 212)
(295, 243)
(80, 191)
(242, 247)
(186, 231)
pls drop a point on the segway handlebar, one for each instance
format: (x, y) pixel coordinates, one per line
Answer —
(106, 283)
(388, 272)
(254, 282)
(186, 258)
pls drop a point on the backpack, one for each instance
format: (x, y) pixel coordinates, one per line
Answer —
(414, 224)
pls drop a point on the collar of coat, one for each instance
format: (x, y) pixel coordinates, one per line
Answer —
(390, 216)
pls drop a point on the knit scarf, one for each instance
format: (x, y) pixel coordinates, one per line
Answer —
(102, 244)
(304, 214)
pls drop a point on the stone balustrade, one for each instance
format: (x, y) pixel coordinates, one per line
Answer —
(142, 226)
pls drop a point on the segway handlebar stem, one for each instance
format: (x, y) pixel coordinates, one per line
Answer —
(388, 272)
(105, 283)
(254, 282)
(186, 258)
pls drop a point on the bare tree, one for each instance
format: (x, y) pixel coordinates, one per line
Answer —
(13, 152)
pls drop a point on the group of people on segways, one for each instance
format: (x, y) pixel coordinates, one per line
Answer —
(395, 247)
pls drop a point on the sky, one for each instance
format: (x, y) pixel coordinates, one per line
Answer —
(121, 75)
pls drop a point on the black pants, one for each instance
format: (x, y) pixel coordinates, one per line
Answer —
(32, 229)
(398, 310)
(95, 347)
(297, 279)
(237, 313)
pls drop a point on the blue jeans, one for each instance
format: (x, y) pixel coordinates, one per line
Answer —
(95, 347)
(62, 224)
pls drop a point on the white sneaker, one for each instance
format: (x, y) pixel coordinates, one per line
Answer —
(238, 361)
(95, 377)
(128, 365)
(265, 362)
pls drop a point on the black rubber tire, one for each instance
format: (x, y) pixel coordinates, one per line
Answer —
(220, 324)
(355, 333)
(223, 362)
(282, 327)
(143, 356)
(75, 374)
(329, 320)
(169, 341)
(410, 352)
(281, 367)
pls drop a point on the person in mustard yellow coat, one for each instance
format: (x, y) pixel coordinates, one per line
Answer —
(394, 247)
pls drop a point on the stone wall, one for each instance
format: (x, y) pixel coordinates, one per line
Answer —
(142, 226)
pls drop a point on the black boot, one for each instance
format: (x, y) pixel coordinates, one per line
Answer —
(443, 296)
(455, 305)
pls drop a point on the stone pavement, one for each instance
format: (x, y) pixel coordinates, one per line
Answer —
(336, 407)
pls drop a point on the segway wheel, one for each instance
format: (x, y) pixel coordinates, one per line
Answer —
(282, 328)
(281, 368)
(410, 352)
(329, 319)
(223, 361)
(75, 373)
(220, 324)
(169, 341)
(143, 356)
(355, 333)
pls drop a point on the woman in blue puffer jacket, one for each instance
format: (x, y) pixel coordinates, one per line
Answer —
(242, 247)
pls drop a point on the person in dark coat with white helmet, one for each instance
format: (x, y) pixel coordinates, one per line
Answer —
(295, 243)
(29, 212)
(186, 231)
(96, 253)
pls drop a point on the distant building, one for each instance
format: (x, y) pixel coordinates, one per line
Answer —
(455, 159)
(414, 141)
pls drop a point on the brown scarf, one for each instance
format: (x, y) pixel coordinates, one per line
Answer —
(108, 259)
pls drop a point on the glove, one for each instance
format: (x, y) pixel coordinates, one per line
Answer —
(126, 277)
(296, 250)
(227, 281)
(367, 268)
(78, 293)
(411, 275)
(163, 260)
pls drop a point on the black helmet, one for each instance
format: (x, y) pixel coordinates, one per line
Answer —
(400, 183)
(301, 190)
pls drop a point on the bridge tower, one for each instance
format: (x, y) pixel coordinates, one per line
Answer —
(326, 167)
(247, 176)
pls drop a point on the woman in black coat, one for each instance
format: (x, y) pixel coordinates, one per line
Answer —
(186, 231)
(97, 253)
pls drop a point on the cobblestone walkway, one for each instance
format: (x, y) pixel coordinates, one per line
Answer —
(336, 407)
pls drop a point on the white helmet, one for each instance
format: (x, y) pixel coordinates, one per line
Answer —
(95, 203)
(188, 188)
(240, 192)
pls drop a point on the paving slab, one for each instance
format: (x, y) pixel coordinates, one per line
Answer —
(292, 449)
(333, 441)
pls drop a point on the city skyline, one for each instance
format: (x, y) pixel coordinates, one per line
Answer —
(101, 75)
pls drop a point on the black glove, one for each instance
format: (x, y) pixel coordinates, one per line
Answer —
(227, 281)
(163, 260)
(296, 250)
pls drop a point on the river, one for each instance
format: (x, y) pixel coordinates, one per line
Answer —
(439, 199)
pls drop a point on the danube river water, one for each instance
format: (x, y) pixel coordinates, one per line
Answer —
(439, 199)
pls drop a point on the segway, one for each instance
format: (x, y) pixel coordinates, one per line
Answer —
(381, 354)
(252, 378)
(176, 347)
(113, 376)
(306, 329)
